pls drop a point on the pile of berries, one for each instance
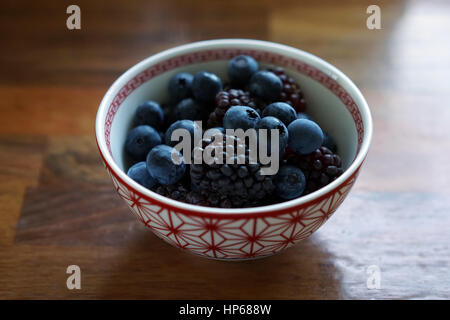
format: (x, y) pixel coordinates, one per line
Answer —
(254, 99)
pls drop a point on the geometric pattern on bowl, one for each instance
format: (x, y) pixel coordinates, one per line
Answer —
(233, 237)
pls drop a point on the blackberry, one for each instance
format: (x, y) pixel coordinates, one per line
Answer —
(176, 191)
(320, 167)
(181, 192)
(291, 92)
(239, 185)
(225, 100)
(208, 199)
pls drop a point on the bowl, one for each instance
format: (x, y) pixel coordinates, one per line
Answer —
(333, 101)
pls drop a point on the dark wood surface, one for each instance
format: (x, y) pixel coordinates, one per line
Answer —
(58, 207)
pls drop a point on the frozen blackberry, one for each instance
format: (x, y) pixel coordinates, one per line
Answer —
(320, 167)
(290, 92)
(181, 192)
(208, 199)
(225, 100)
(240, 185)
(176, 191)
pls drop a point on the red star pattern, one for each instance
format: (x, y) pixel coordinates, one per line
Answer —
(232, 238)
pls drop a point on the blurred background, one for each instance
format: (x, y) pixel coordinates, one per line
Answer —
(57, 205)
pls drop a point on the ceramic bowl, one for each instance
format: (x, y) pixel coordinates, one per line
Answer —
(333, 100)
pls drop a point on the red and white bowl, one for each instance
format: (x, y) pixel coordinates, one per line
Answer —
(333, 100)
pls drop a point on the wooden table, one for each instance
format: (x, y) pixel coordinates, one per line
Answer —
(57, 205)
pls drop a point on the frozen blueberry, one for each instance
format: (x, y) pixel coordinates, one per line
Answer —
(282, 111)
(188, 125)
(149, 113)
(187, 109)
(303, 115)
(270, 123)
(140, 141)
(305, 136)
(240, 117)
(265, 85)
(241, 68)
(180, 86)
(138, 172)
(205, 86)
(329, 142)
(165, 164)
(290, 182)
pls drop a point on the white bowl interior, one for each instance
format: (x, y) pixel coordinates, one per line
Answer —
(324, 107)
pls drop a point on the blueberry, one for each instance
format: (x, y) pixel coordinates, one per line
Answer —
(290, 182)
(305, 136)
(140, 141)
(138, 172)
(162, 167)
(212, 132)
(240, 117)
(205, 86)
(282, 111)
(270, 123)
(180, 86)
(189, 125)
(219, 129)
(329, 142)
(161, 135)
(149, 113)
(187, 109)
(241, 68)
(265, 85)
(303, 115)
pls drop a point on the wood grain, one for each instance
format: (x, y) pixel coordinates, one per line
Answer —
(58, 207)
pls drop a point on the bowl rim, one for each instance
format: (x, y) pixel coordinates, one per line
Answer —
(319, 63)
